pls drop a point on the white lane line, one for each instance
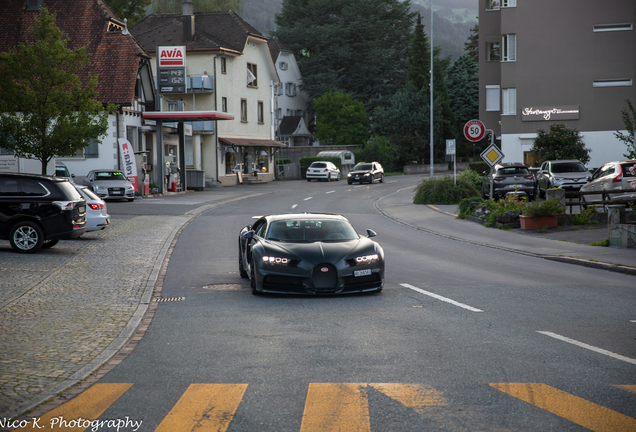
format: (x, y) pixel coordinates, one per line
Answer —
(330, 192)
(308, 198)
(590, 347)
(294, 206)
(439, 297)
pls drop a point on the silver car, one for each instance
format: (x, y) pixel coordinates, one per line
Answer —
(613, 177)
(322, 170)
(565, 174)
(110, 184)
(97, 217)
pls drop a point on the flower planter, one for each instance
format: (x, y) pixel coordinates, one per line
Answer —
(528, 223)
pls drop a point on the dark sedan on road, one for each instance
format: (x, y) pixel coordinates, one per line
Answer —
(366, 172)
(309, 253)
(510, 178)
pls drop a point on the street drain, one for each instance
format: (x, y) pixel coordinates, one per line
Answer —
(226, 287)
(168, 299)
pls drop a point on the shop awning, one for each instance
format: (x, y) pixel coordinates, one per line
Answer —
(249, 142)
(186, 116)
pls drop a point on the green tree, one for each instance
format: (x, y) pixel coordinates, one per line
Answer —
(463, 97)
(419, 61)
(46, 111)
(358, 47)
(560, 143)
(131, 10)
(629, 118)
(471, 46)
(341, 119)
(176, 6)
(380, 149)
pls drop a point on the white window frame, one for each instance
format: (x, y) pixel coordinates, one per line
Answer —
(621, 82)
(509, 101)
(490, 47)
(509, 47)
(508, 3)
(613, 27)
(492, 100)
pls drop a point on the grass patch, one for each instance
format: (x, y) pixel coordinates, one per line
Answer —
(604, 243)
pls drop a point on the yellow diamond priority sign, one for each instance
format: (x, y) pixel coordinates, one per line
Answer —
(492, 155)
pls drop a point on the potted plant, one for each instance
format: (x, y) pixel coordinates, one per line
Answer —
(541, 214)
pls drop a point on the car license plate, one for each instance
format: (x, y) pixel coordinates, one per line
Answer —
(117, 193)
(366, 272)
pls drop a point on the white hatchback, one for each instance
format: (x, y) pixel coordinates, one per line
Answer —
(97, 217)
(322, 170)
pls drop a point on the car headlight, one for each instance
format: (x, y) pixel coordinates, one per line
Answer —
(276, 260)
(98, 187)
(349, 175)
(367, 259)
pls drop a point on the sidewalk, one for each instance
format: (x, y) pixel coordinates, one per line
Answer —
(566, 245)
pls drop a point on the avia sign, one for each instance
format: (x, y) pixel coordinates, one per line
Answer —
(172, 56)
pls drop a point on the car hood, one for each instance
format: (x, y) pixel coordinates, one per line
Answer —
(112, 183)
(359, 172)
(318, 252)
(572, 175)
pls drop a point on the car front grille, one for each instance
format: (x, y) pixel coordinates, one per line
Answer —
(325, 277)
(116, 191)
(277, 281)
(362, 282)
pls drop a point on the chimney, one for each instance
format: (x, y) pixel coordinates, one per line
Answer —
(188, 21)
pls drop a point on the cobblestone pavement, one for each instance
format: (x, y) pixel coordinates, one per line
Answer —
(66, 310)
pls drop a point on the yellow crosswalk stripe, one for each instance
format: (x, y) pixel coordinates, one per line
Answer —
(580, 411)
(204, 407)
(344, 407)
(629, 388)
(85, 407)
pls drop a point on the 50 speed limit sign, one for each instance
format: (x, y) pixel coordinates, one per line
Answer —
(474, 130)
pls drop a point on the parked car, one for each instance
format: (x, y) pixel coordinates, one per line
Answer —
(611, 177)
(569, 175)
(322, 170)
(509, 178)
(366, 172)
(62, 171)
(309, 253)
(110, 184)
(97, 217)
(38, 211)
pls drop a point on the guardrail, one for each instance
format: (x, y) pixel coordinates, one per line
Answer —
(603, 201)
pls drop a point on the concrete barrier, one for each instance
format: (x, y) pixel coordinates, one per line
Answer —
(437, 168)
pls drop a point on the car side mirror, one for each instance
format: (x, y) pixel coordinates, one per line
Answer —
(371, 233)
(249, 235)
(589, 178)
(72, 175)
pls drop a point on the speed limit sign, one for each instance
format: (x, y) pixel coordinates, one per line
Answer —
(474, 130)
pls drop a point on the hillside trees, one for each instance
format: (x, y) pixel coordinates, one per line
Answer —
(176, 6)
(131, 10)
(46, 110)
(357, 47)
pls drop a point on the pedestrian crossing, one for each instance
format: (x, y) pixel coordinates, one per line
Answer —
(328, 407)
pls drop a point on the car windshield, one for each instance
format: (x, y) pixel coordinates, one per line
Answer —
(61, 171)
(311, 230)
(109, 175)
(362, 167)
(319, 165)
(568, 167)
(513, 171)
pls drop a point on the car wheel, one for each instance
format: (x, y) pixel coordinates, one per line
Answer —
(131, 199)
(242, 271)
(328, 177)
(26, 237)
(308, 180)
(49, 244)
(381, 178)
(349, 182)
(253, 279)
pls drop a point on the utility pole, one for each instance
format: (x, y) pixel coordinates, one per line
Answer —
(431, 86)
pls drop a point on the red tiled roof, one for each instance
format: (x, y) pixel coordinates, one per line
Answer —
(115, 57)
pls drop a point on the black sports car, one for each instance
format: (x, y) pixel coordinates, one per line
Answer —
(309, 253)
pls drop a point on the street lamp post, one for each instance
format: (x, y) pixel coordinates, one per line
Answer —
(431, 88)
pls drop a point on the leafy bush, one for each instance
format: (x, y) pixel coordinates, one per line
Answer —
(380, 149)
(479, 167)
(583, 218)
(442, 190)
(536, 209)
(464, 209)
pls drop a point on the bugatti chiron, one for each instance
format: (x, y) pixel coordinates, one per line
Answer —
(309, 253)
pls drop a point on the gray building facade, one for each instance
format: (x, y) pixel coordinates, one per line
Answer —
(557, 61)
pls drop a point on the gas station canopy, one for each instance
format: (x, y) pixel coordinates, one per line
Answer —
(186, 116)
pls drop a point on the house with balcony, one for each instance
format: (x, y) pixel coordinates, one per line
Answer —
(228, 69)
(122, 68)
(541, 63)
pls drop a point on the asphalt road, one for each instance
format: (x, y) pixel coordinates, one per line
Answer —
(463, 337)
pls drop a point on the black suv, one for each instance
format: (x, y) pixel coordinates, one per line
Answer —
(38, 211)
(366, 172)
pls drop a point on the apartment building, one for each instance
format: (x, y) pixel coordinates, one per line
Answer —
(557, 61)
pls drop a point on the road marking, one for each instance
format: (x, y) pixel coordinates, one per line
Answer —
(587, 414)
(439, 297)
(590, 347)
(88, 405)
(204, 407)
(441, 211)
(345, 406)
(294, 206)
(330, 192)
(308, 198)
(629, 388)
